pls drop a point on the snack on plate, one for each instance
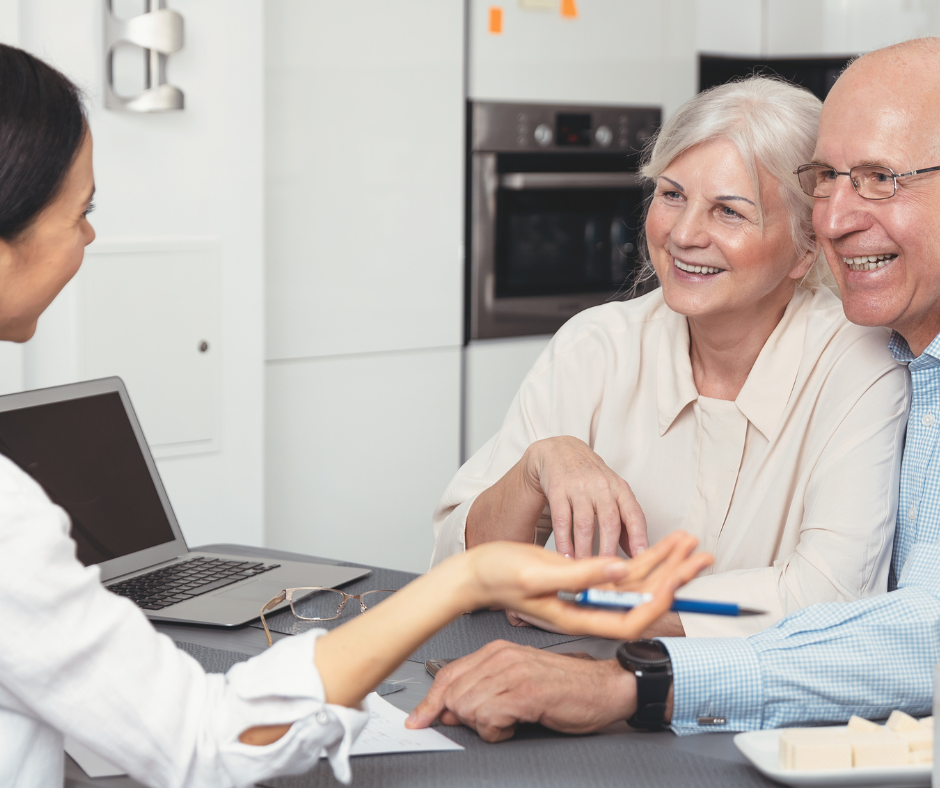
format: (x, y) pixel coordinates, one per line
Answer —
(902, 740)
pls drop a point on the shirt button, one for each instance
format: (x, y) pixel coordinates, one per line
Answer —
(927, 420)
(322, 717)
(912, 512)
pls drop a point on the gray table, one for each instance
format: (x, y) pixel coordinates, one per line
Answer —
(536, 756)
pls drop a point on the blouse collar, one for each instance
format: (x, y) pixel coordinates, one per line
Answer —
(764, 396)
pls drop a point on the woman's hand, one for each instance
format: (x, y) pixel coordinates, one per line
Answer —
(578, 485)
(526, 578)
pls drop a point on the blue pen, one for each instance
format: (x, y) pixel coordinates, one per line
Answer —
(624, 600)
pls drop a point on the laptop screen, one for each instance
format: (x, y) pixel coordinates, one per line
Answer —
(84, 454)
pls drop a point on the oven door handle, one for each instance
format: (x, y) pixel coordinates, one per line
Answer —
(521, 181)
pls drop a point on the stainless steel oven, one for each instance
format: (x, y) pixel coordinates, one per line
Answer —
(554, 212)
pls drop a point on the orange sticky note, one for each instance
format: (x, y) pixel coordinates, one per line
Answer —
(569, 9)
(496, 20)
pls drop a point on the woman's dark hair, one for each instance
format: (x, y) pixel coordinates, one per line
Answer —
(42, 126)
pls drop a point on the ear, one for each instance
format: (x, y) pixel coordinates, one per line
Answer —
(805, 263)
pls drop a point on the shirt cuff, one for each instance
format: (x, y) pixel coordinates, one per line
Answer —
(715, 679)
(283, 685)
(451, 537)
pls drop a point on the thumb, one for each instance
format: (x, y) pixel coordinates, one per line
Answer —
(426, 711)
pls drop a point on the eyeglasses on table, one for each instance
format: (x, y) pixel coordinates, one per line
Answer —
(313, 603)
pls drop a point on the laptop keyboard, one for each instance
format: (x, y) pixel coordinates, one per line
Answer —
(185, 580)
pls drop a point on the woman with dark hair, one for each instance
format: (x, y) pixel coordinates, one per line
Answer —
(80, 661)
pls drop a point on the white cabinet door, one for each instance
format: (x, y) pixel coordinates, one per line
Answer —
(611, 53)
(359, 450)
(364, 123)
(494, 371)
(148, 312)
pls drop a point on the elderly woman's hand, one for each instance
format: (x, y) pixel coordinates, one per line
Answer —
(579, 486)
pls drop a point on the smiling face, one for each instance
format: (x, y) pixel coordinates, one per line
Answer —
(711, 255)
(884, 253)
(41, 261)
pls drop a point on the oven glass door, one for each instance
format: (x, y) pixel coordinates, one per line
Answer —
(565, 241)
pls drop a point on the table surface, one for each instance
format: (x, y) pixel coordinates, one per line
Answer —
(615, 756)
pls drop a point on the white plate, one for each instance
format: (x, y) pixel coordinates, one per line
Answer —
(762, 748)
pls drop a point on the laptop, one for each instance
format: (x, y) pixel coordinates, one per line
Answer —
(83, 444)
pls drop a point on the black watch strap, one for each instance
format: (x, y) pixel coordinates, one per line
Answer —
(649, 661)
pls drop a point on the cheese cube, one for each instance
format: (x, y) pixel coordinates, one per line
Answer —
(917, 740)
(899, 721)
(805, 748)
(881, 748)
(859, 724)
(920, 756)
(927, 722)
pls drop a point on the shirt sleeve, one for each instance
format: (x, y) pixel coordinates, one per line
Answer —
(821, 664)
(88, 663)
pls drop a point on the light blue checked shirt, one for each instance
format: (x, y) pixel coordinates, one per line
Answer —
(829, 661)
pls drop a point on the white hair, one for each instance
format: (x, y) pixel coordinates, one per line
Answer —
(774, 125)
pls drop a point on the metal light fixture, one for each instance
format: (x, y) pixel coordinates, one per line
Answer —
(160, 33)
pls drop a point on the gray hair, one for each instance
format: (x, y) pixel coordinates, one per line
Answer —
(774, 125)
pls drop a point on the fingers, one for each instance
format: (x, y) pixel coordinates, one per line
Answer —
(634, 539)
(582, 507)
(609, 527)
(515, 619)
(561, 523)
(433, 705)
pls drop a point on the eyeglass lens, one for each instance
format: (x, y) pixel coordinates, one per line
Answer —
(870, 181)
(326, 604)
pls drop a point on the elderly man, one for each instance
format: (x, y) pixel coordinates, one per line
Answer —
(880, 229)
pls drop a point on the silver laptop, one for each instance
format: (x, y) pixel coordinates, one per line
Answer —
(83, 444)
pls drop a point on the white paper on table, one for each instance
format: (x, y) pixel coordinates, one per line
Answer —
(92, 764)
(385, 732)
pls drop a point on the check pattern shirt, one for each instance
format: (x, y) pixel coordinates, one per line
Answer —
(829, 661)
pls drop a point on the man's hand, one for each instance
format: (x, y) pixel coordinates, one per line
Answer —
(502, 684)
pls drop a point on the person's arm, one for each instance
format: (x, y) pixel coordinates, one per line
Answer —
(821, 664)
(565, 473)
(355, 657)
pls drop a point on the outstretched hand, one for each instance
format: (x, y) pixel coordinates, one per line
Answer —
(527, 579)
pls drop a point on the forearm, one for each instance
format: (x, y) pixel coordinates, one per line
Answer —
(509, 510)
(354, 658)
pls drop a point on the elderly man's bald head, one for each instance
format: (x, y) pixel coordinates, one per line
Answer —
(885, 254)
(903, 79)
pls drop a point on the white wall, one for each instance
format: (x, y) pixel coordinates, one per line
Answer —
(364, 168)
(196, 173)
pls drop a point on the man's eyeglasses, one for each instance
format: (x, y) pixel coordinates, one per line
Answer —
(320, 604)
(871, 181)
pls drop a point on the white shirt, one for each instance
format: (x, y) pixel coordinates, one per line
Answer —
(792, 486)
(78, 660)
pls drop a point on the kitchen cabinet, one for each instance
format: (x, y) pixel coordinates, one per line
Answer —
(364, 119)
(494, 370)
(359, 450)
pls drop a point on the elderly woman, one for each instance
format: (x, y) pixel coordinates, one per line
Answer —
(736, 401)
(81, 661)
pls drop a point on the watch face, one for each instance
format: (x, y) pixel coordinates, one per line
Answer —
(645, 649)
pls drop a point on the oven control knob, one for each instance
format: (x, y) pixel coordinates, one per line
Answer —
(604, 136)
(543, 135)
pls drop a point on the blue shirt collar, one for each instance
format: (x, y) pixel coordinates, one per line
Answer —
(902, 351)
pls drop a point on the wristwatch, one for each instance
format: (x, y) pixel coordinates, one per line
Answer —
(649, 661)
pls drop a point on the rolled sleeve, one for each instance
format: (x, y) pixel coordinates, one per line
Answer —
(715, 677)
(283, 685)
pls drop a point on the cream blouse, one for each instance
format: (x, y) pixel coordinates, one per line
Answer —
(792, 487)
